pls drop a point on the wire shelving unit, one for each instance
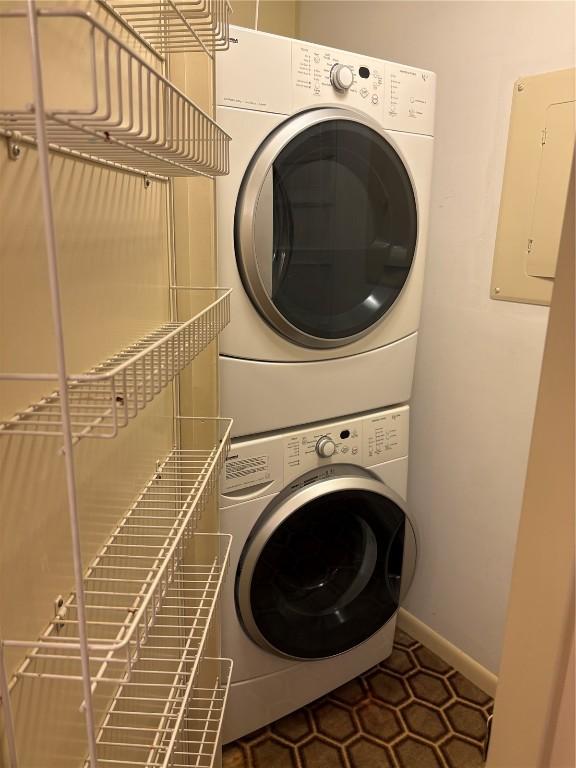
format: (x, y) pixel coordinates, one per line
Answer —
(134, 630)
(136, 119)
(176, 26)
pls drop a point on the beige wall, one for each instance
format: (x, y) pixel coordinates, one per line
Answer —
(194, 236)
(280, 17)
(478, 360)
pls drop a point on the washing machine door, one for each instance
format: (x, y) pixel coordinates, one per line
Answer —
(325, 227)
(326, 564)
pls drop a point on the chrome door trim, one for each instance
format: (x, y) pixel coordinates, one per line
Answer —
(409, 559)
(311, 486)
(246, 235)
(264, 236)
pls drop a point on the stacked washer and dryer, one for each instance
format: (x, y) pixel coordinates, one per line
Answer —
(322, 228)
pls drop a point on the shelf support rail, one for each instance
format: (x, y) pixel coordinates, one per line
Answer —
(51, 252)
(7, 710)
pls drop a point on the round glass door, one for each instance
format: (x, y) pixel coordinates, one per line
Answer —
(327, 578)
(326, 228)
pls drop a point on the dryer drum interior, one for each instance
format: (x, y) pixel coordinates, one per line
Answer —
(326, 227)
(323, 578)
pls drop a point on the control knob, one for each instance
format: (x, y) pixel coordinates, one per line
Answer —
(341, 77)
(325, 447)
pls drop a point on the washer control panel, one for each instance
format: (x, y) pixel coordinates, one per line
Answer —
(264, 465)
(304, 450)
(386, 436)
(366, 441)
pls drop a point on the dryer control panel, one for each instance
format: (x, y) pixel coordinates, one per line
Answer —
(269, 463)
(268, 73)
(398, 97)
(322, 75)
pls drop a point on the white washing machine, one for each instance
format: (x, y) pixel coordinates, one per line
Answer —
(322, 228)
(322, 553)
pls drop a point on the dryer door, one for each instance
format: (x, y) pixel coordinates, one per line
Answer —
(325, 227)
(321, 571)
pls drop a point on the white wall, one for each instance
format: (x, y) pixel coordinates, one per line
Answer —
(478, 360)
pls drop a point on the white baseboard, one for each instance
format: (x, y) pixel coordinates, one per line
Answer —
(479, 675)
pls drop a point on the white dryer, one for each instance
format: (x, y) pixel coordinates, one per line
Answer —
(322, 227)
(322, 553)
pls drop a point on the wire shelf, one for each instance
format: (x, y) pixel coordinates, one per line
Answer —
(166, 719)
(185, 611)
(136, 120)
(140, 574)
(106, 398)
(176, 26)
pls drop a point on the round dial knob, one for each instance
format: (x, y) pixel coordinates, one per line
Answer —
(341, 77)
(325, 447)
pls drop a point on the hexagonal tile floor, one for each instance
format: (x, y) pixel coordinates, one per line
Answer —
(411, 711)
